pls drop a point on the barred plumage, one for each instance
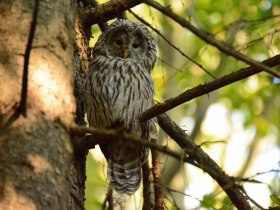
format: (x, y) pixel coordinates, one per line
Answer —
(118, 89)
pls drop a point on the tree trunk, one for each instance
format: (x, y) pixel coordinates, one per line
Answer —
(35, 145)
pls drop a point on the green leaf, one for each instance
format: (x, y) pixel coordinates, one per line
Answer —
(275, 199)
(208, 202)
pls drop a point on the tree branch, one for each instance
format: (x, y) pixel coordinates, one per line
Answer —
(146, 186)
(106, 11)
(204, 89)
(204, 162)
(157, 182)
(102, 136)
(108, 199)
(192, 154)
(93, 3)
(112, 9)
(209, 39)
(252, 200)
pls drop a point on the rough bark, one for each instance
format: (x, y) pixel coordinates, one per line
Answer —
(78, 166)
(34, 164)
(35, 149)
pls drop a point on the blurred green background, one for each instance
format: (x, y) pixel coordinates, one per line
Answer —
(239, 125)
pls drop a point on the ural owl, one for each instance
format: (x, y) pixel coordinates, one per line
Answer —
(118, 89)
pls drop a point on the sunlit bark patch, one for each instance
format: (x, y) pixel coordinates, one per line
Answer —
(39, 163)
(50, 86)
(13, 200)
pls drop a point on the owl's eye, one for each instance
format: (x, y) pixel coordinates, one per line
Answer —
(135, 45)
(119, 42)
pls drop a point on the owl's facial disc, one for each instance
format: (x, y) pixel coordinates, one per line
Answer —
(127, 45)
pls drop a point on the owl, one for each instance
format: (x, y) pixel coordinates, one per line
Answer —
(118, 89)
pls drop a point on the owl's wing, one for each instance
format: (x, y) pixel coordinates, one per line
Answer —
(98, 107)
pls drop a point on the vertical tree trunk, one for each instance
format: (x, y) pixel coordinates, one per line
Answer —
(35, 149)
(78, 166)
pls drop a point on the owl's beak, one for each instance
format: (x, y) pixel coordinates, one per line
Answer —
(125, 53)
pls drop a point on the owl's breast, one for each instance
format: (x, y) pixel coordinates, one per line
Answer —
(125, 81)
(120, 91)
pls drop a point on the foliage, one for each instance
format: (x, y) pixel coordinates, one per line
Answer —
(96, 185)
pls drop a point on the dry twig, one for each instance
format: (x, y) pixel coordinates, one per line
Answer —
(157, 183)
(146, 186)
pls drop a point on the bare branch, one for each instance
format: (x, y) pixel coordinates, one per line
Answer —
(108, 199)
(93, 3)
(240, 179)
(252, 200)
(256, 21)
(100, 135)
(204, 162)
(211, 142)
(157, 183)
(169, 190)
(146, 186)
(209, 39)
(106, 11)
(265, 172)
(205, 89)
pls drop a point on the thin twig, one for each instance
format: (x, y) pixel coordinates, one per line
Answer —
(171, 44)
(240, 179)
(205, 89)
(211, 142)
(252, 200)
(169, 190)
(209, 39)
(261, 20)
(265, 172)
(108, 199)
(146, 186)
(168, 64)
(173, 200)
(157, 183)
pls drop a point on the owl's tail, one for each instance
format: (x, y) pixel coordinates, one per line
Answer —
(125, 177)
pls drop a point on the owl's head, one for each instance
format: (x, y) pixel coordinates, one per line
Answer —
(127, 40)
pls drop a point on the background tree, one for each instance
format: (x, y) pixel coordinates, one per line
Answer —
(43, 67)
